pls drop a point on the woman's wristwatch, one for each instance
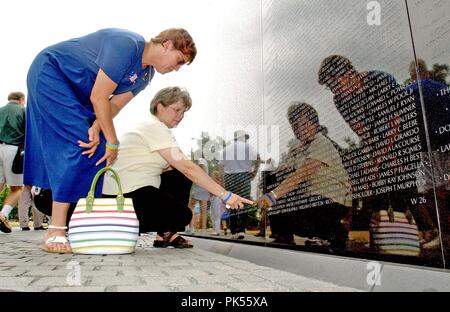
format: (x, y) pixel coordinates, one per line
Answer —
(272, 197)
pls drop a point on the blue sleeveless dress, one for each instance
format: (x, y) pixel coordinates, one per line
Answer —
(59, 111)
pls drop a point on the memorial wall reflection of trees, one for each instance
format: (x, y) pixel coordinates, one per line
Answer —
(364, 130)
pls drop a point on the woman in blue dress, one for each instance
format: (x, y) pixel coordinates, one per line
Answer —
(75, 88)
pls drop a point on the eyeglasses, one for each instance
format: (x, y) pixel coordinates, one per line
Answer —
(179, 111)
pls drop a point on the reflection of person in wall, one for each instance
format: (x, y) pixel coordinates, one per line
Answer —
(239, 165)
(359, 96)
(437, 111)
(317, 195)
(382, 114)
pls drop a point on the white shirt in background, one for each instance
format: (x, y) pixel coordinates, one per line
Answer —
(237, 157)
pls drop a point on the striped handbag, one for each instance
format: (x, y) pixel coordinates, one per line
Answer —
(394, 233)
(104, 226)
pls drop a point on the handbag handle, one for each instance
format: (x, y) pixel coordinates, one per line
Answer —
(90, 197)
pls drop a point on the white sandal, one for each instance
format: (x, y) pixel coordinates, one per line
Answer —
(56, 240)
(54, 227)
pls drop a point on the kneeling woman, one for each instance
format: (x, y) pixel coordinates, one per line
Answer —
(158, 176)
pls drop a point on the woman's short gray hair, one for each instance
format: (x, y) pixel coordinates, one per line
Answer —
(170, 95)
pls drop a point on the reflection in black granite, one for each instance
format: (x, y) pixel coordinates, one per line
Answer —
(312, 199)
(387, 116)
(383, 168)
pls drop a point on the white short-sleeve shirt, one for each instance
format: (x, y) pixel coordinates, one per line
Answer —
(238, 157)
(139, 164)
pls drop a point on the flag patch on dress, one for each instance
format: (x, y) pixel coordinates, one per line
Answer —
(133, 78)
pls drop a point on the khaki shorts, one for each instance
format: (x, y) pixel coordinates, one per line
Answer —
(7, 154)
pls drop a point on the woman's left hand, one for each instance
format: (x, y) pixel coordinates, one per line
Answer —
(237, 202)
(110, 156)
(94, 141)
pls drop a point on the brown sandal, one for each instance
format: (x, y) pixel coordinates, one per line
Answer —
(177, 242)
(160, 244)
(180, 242)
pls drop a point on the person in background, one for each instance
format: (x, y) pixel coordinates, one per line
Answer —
(12, 132)
(195, 222)
(201, 196)
(75, 89)
(239, 166)
(217, 207)
(25, 202)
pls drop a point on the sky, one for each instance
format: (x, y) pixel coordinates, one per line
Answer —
(254, 56)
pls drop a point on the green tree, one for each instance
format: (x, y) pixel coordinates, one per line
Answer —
(439, 72)
(3, 194)
(214, 146)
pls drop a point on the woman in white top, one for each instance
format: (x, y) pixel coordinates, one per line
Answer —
(315, 197)
(158, 176)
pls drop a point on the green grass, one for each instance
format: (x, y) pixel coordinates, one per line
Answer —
(14, 213)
